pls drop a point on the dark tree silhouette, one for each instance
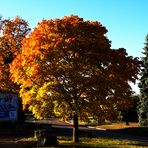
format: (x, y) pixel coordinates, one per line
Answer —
(143, 85)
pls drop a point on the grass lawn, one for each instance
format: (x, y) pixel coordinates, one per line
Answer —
(100, 142)
(118, 125)
(132, 128)
(86, 143)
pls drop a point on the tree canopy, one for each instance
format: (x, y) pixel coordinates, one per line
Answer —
(12, 32)
(68, 63)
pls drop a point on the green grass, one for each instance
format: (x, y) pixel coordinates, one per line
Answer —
(27, 142)
(132, 128)
(87, 142)
(65, 141)
(137, 131)
(99, 142)
(118, 125)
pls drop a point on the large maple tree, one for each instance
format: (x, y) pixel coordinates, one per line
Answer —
(68, 64)
(12, 32)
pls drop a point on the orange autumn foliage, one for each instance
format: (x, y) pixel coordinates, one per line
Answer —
(70, 61)
(12, 32)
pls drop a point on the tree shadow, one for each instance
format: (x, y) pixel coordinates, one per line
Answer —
(136, 131)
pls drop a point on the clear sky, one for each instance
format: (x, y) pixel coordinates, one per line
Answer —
(126, 20)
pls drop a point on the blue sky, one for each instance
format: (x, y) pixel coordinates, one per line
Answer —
(126, 20)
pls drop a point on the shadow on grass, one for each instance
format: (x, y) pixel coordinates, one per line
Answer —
(82, 145)
(87, 137)
(137, 131)
(130, 132)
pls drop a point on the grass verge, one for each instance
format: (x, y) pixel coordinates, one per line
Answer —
(132, 128)
(118, 125)
(65, 141)
(87, 142)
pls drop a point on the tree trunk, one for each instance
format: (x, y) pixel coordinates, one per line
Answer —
(75, 128)
(100, 120)
(127, 122)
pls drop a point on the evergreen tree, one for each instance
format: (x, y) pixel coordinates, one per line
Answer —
(143, 85)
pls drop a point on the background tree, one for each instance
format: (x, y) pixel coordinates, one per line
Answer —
(131, 114)
(12, 32)
(68, 63)
(143, 85)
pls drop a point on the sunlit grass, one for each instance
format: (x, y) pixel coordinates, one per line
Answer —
(101, 142)
(27, 142)
(118, 125)
(131, 129)
(66, 141)
(87, 142)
